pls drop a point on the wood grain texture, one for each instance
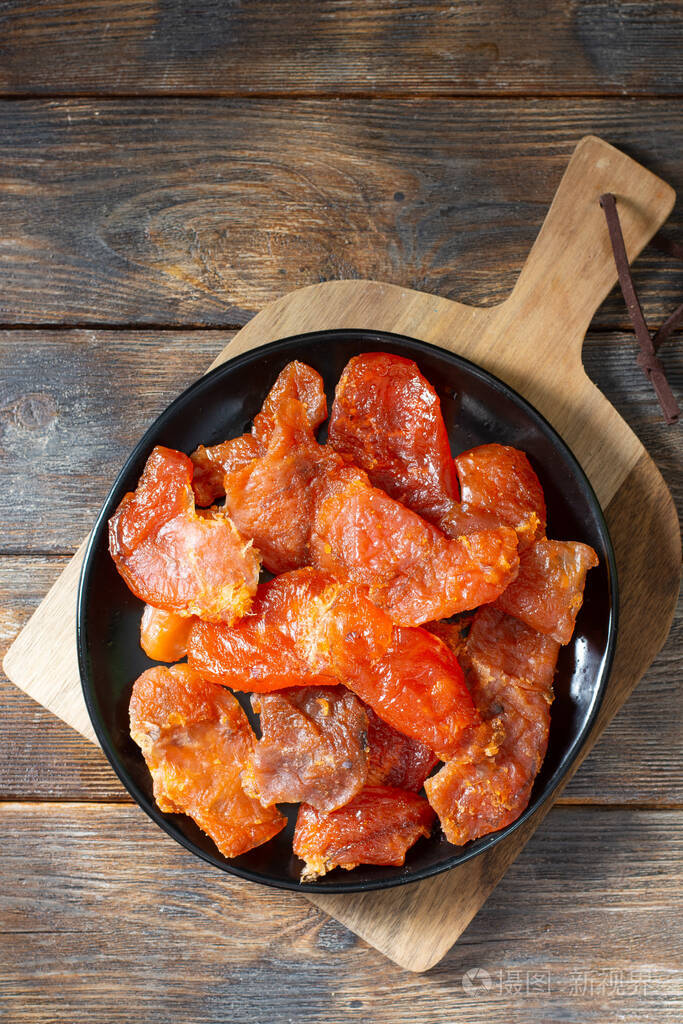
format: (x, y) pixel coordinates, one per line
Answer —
(335, 46)
(416, 925)
(41, 758)
(72, 406)
(92, 900)
(183, 212)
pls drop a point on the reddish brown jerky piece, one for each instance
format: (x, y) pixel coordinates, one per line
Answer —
(287, 502)
(412, 570)
(377, 827)
(500, 645)
(386, 417)
(296, 400)
(303, 629)
(175, 558)
(498, 481)
(394, 759)
(548, 591)
(418, 688)
(487, 784)
(314, 747)
(306, 628)
(164, 635)
(486, 787)
(197, 741)
(272, 498)
(212, 464)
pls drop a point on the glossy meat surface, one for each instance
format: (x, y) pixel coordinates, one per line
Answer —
(500, 645)
(212, 464)
(476, 793)
(377, 827)
(394, 759)
(296, 401)
(197, 741)
(548, 592)
(175, 558)
(302, 503)
(164, 635)
(487, 784)
(272, 499)
(386, 417)
(418, 688)
(297, 398)
(306, 628)
(412, 570)
(314, 747)
(497, 480)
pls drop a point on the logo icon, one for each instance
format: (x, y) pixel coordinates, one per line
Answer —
(476, 981)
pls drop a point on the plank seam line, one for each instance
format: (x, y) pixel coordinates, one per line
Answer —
(91, 325)
(351, 95)
(140, 327)
(37, 553)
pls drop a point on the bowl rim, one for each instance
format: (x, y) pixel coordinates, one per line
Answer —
(469, 851)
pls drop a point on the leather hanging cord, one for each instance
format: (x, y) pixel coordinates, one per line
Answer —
(671, 248)
(647, 358)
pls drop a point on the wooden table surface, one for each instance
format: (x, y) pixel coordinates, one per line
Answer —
(165, 170)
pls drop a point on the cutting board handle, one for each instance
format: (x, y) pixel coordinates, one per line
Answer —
(570, 269)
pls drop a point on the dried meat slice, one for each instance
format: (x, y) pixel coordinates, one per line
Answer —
(412, 570)
(297, 399)
(377, 827)
(314, 747)
(197, 741)
(302, 503)
(476, 793)
(395, 759)
(306, 628)
(272, 498)
(386, 417)
(175, 558)
(296, 402)
(499, 645)
(548, 592)
(487, 783)
(499, 481)
(418, 688)
(164, 635)
(212, 464)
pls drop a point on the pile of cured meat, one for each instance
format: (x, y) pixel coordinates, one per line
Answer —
(414, 617)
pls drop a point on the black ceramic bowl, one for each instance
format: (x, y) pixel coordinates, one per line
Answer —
(478, 409)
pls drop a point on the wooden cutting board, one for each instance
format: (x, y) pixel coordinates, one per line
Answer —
(533, 341)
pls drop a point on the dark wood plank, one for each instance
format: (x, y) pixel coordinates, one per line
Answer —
(93, 897)
(192, 211)
(41, 758)
(334, 46)
(73, 404)
(637, 761)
